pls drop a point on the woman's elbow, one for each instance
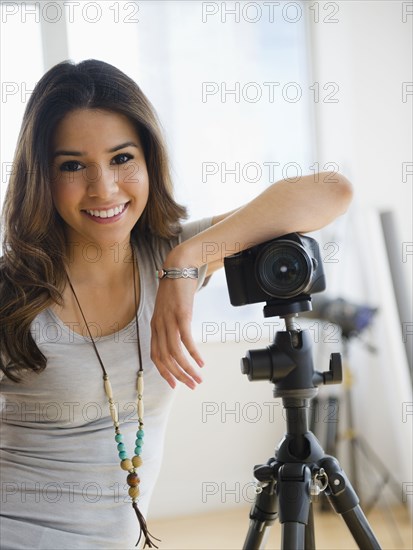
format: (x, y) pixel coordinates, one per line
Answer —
(344, 191)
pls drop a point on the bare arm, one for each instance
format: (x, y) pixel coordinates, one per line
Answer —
(284, 207)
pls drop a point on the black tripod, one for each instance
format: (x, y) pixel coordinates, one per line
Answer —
(300, 469)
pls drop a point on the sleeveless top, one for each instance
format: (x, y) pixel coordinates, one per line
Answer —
(61, 483)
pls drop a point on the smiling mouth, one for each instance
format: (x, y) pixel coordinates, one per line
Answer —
(110, 213)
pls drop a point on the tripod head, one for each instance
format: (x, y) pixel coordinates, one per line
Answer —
(287, 308)
(288, 363)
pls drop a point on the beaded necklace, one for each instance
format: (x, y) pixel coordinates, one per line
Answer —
(127, 464)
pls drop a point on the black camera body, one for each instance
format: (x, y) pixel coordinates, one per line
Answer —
(285, 268)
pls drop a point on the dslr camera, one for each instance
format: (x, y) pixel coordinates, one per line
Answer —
(286, 268)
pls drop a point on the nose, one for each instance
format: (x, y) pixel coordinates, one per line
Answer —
(101, 182)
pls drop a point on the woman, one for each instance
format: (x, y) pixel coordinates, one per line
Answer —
(89, 218)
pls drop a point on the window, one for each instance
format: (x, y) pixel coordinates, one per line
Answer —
(19, 74)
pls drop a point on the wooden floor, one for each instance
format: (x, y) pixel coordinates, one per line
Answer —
(226, 531)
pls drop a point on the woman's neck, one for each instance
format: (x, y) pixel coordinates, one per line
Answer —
(99, 265)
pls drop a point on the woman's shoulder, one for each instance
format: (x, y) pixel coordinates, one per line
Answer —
(192, 228)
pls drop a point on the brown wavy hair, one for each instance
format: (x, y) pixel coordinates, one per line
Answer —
(32, 269)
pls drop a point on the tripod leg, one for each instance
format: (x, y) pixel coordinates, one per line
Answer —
(344, 500)
(262, 516)
(298, 535)
(360, 529)
(332, 435)
(314, 414)
(309, 531)
(331, 438)
(293, 536)
(293, 490)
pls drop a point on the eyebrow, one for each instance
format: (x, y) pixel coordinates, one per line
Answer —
(65, 152)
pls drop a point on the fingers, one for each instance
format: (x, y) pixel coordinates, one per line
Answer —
(171, 333)
(168, 355)
(189, 343)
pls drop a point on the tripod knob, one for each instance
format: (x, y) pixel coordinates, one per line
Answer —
(245, 365)
(335, 374)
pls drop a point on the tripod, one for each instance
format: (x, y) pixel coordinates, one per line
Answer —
(300, 469)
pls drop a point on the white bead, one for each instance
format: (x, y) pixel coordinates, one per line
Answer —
(113, 412)
(108, 389)
(140, 409)
(139, 385)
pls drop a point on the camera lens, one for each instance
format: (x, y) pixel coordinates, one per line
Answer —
(283, 269)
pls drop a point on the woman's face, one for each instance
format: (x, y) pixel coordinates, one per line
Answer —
(99, 182)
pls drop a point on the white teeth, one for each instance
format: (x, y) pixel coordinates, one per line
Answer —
(107, 213)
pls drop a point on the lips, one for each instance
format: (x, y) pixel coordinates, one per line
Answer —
(106, 215)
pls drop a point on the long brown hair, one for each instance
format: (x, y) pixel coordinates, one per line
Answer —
(32, 269)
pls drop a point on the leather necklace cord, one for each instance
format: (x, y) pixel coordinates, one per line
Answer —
(126, 463)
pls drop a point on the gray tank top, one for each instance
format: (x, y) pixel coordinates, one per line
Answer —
(61, 484)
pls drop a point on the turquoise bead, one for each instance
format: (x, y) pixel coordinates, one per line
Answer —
(118, 438)
(140, 434)
(138, 450)
(123, 455)
(121, 447)
(139, 442)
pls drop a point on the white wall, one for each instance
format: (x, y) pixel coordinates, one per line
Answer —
(368, 53)
(217, 434)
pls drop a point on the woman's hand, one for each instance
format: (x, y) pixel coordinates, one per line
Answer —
(171, 332)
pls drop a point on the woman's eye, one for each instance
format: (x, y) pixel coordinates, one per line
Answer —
(70, 166)
(122, 158)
